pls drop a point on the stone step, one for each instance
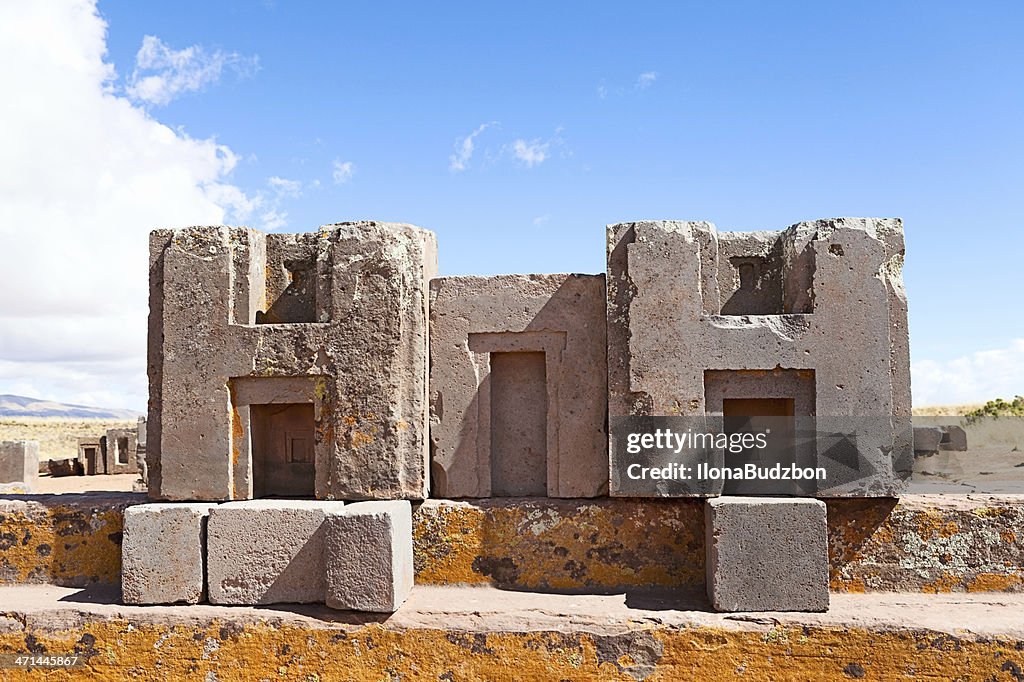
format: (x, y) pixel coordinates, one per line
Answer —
(486, 633)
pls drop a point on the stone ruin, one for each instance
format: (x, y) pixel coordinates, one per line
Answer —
(117, 451)
(306, 388)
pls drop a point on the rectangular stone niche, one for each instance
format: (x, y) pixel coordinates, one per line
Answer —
(762, 273)
(752, 401)
(519, 424)
(282, 449)
(275, 436)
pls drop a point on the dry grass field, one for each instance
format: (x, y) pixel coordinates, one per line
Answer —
(945, 410)
(57, 436)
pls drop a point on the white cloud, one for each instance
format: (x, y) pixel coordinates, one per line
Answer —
(975, 378)
(343, 171)
(161, 74)
(646, 80)
(285, 188)
(464, 146)
(531, 153)
(85, 175)
(642, 82)
(541, 220)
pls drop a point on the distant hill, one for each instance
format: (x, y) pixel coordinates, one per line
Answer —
(20, 406)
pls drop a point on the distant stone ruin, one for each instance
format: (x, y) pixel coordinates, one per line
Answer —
(118, 451)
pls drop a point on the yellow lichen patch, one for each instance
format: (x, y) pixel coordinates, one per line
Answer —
(995, 582)
(229, 652)
(931, 523)
(552, 544)
(63, 545)
(854, 586)
(946, 583)
(359, 439)
(237, 437)
(447, 538)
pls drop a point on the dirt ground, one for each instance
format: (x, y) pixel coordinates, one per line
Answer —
(85, 484)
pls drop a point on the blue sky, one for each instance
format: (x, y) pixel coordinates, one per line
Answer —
(752, 115)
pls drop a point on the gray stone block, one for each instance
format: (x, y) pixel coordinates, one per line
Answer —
(518, 386)
(954, 439)
(62, 467)
(267, 551)
(162, 553)
(927, 438)
(291, 359)
(19, 462)
(369, 556)
(766, 554)
(822, 301)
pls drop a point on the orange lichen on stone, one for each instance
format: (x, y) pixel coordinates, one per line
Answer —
(996, 582)
(117, 650)
(562, 544)
(71, 544)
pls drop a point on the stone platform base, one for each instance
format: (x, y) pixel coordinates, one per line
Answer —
(483, 633)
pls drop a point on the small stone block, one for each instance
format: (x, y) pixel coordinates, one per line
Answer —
(766, 554)
(954, 439)
(927, 438)
(162, 553)
(267, 551)
(369, 556)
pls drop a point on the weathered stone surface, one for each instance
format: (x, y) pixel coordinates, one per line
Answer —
(483, 633)
(70, 539)
(162, 553)
(368, 556)
(120, 451)
(823, 297)
(19, 462)
(767, 554)
(315, 340)
(267, 551)
(927, 438)
(518, 386)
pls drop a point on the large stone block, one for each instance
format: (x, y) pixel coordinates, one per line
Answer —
(518, 386)
(766, 554)
(163, 552)
(289, 364)
(19, 462)
(267, 551)
(814, 315)
(368, 556)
